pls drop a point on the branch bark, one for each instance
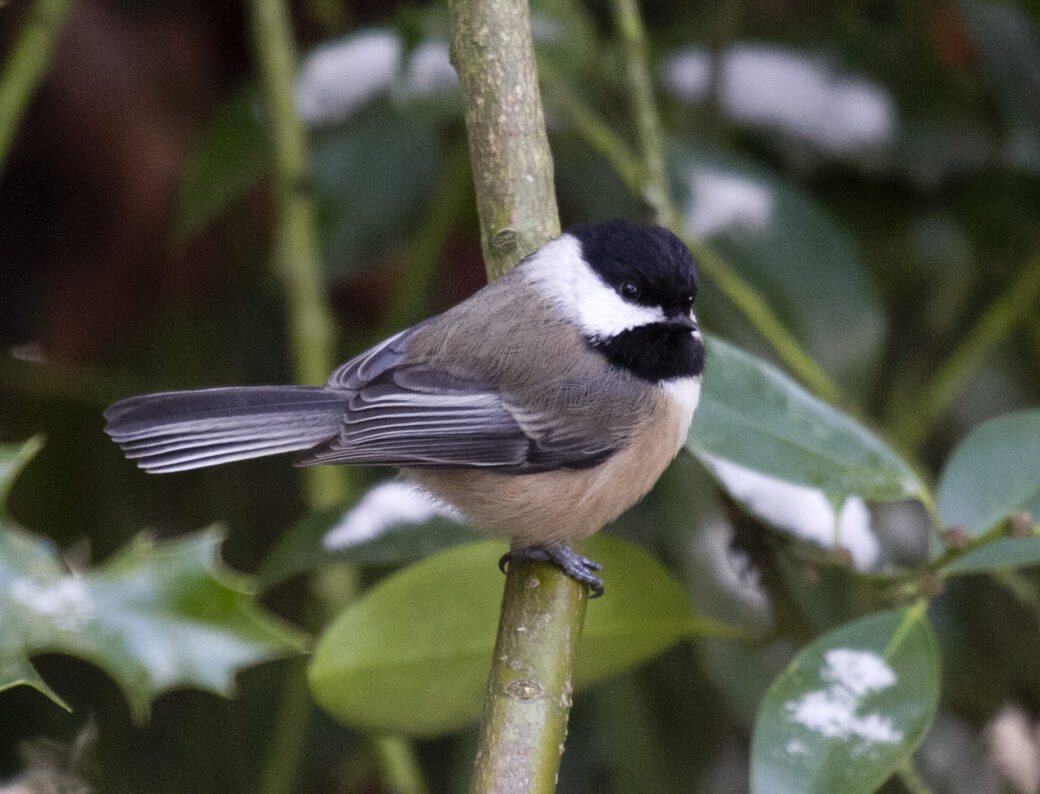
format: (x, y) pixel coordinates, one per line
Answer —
(528, 696)
(492, 52)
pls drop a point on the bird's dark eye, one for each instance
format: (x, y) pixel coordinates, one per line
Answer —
(629, 291)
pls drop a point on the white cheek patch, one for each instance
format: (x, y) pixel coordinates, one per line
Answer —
(558, 271)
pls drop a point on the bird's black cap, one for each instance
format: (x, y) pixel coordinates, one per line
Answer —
(651, 257)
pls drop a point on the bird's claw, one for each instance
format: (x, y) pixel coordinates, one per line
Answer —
(580, 569)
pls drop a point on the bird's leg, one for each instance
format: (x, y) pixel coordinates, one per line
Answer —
(580, 569)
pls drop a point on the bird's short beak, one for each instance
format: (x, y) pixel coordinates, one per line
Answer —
(683, 320)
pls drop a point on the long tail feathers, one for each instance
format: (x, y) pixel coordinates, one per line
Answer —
(180, 430)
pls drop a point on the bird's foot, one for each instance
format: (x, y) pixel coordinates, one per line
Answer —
(580, 569)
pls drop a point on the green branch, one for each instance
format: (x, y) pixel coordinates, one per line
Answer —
(528, 696)
(591, 126)
(27, 64)
(1016, 524)
(512, 165)
(297, 262)
(655, 189)
(1014, 305)
(297, 256)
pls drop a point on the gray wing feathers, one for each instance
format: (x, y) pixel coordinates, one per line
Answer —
(414, 417)
(410, 415)
(375, 361)
(176, 431)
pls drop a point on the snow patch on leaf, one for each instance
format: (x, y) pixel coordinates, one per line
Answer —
(803, 511)
(67, 603)
(832, 712)
(384, 507)
(800, 95)
(725, 200)
(336, 79)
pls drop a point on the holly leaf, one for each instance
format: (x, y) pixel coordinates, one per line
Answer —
(159, 615)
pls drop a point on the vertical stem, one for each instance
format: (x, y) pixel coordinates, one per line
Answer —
(27, 64)
(297, 257)
(492, 52)
(655, 190)
(398, 767)
(297, 261)
(528, 696)
(641, 94)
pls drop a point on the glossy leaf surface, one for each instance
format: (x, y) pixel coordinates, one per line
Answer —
(994, 472)
(753, 415)
(850, 708)
(413, 654)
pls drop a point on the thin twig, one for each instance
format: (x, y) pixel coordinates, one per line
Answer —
(27, 63)
(1002, 529)
(911, 779)
(655, 188)
(297, 256)
(1016, 303)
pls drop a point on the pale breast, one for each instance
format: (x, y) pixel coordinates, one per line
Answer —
(563, 506)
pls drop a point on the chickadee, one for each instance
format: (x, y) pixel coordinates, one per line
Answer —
(542, 407)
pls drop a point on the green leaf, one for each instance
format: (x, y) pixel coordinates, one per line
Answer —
(803, 262)
(850, 709)
(157, 616)
(643, 612)
(230, 159)
(993, 472)
(390, 524)
(14, 458)
(753, 415)
(16, 668)
(412, 655)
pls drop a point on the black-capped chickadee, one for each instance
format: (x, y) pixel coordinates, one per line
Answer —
(542, 407)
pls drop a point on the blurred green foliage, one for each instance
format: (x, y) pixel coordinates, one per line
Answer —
(871, 168)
